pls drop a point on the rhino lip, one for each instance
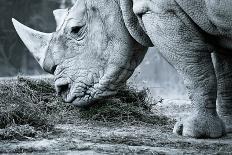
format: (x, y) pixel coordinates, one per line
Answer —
(71, 95)
(69, 98)
(63, 88)
(81, 95)
(65, 93)
(87, 98)
(78, 97)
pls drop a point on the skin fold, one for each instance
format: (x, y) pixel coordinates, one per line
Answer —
(98, 44)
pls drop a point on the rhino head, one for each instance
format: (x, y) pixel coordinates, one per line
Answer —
(96, 47)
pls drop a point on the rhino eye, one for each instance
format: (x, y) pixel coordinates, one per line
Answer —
(75, 29)
(78, 32)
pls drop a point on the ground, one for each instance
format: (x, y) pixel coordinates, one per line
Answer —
(114, 128)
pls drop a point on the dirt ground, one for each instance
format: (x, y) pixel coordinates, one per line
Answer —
(100, 138)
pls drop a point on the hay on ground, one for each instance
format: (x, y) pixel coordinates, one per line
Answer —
(34, 105)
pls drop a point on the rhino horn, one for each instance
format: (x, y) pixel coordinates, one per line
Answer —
(60, 15)
(36, 42)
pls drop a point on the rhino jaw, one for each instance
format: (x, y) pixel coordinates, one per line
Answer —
(36, 42)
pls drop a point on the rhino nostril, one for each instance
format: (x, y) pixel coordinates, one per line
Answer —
(63, 89)
(53, 68)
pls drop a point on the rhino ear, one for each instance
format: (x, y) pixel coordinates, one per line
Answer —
(60, 15)
(133, 25)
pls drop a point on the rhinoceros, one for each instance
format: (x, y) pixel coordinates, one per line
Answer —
(98, 44)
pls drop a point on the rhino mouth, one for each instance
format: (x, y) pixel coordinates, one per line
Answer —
(63, 88)
(88, 99)
(84, 87)
(80, 93)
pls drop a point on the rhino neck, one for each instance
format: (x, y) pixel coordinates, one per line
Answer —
(134, 24)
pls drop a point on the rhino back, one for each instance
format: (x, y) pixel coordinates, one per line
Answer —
(214, 17)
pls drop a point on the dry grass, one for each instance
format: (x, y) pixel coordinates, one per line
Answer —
(128, 106)
(29, 107)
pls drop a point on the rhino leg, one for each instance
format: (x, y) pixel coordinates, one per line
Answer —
(223, 67)
(200, 80)
(182, 44)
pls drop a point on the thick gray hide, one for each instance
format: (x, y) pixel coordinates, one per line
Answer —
(186, 32)
(98, 44)
(92, 53)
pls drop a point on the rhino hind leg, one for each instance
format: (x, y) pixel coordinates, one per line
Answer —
(223, 67)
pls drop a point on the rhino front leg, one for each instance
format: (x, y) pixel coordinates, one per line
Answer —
(200, 80)
(182, 44)
(223, 67)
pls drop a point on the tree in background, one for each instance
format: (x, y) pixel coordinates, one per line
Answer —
(66, 3)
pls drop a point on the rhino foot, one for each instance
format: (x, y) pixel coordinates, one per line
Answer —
(201, 126)
(228, 123)
(225, 113)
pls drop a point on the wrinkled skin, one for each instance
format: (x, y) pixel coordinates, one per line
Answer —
(98, 45)
(186, 33)
(93, 54)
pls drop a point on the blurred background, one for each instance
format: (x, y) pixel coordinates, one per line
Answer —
(154, 72)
